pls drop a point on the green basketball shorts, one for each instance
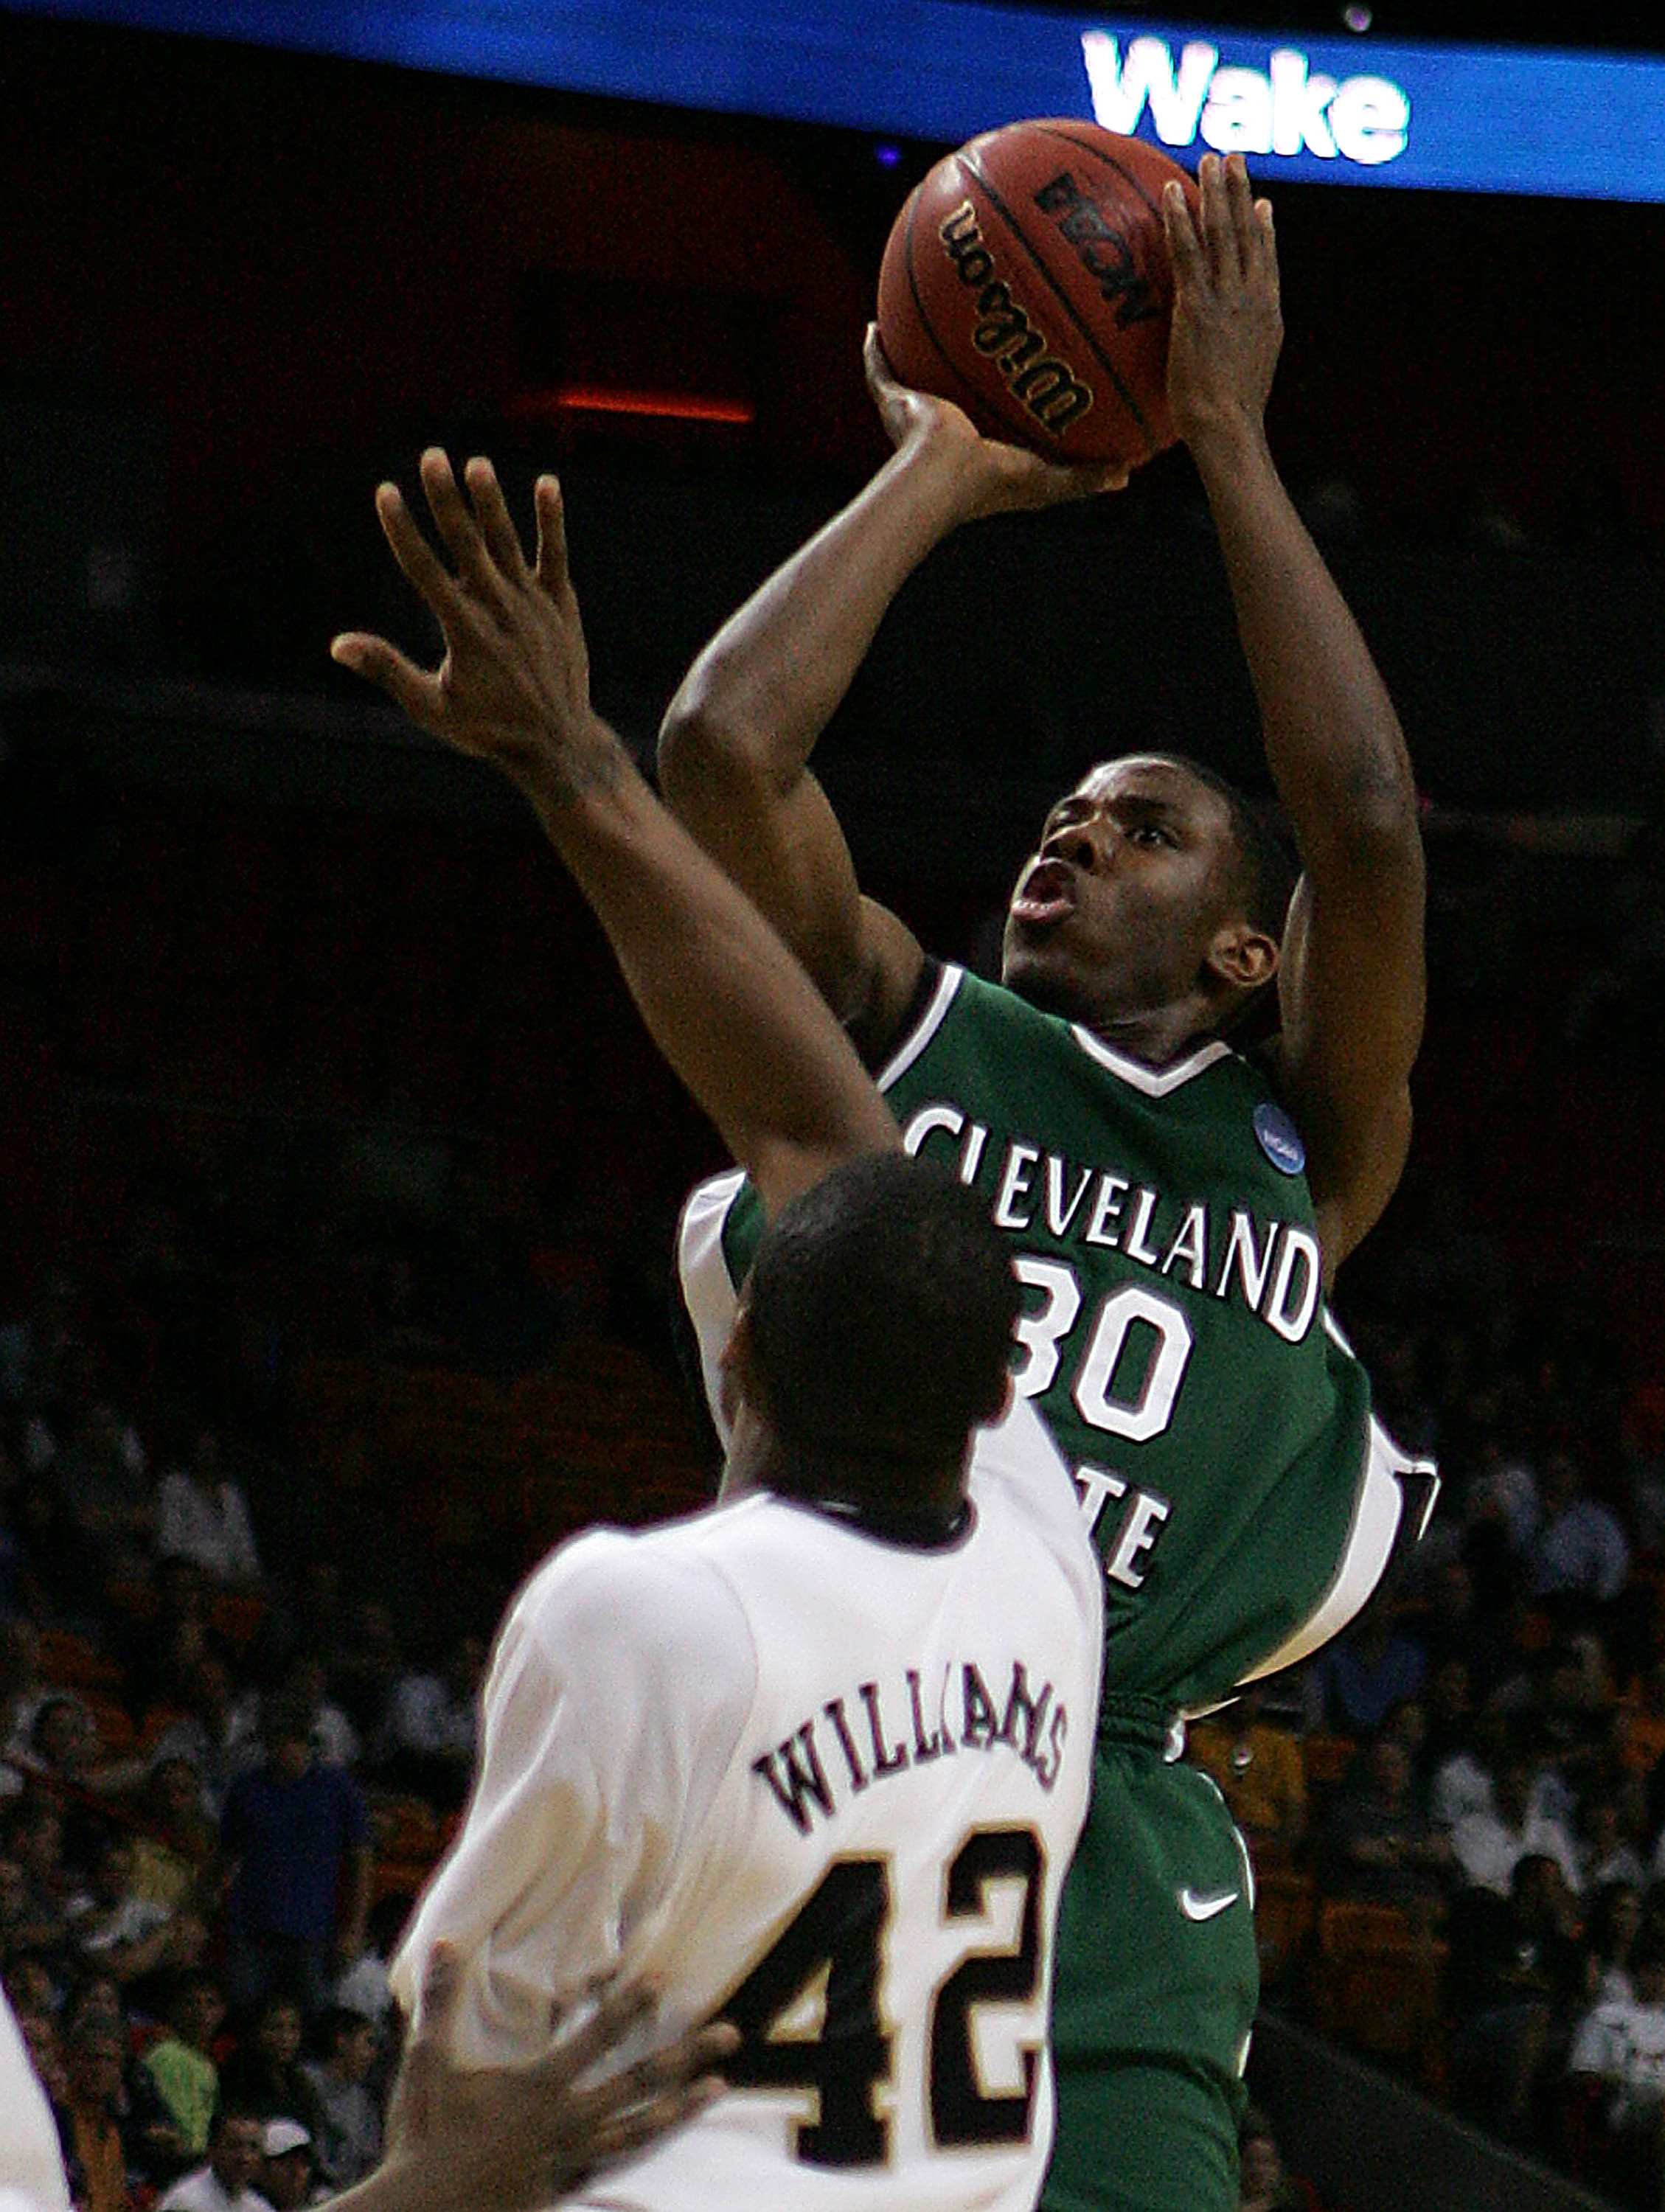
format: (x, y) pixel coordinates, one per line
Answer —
(1156, 1983)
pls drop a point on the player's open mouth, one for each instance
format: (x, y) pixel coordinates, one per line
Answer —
(1046, 894)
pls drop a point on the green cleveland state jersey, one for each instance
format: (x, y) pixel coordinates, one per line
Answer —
(1242, 1499)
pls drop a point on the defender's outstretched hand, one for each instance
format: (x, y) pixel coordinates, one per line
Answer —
(506, 2141)
(1004, 478)
(513, 686)
(1228, 327)
(732, 1010)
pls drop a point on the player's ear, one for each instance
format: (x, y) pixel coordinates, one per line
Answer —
(737, 1365)
(1243, 956)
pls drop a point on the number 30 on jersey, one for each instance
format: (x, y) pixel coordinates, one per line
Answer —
(1126, 1383)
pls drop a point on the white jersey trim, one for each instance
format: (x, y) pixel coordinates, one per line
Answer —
(948, 984)
(1154, 1082)
(707, 1292)
(1377, 1512)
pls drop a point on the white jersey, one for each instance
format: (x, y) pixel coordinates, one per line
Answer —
(821, 1781)
(31, 2166)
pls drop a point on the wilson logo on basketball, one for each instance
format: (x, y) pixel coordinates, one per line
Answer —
(1007, 334)
(1103, 251)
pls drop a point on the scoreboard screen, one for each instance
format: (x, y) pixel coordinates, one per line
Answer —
(1345, 111)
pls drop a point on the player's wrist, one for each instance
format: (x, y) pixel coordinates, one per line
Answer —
(952, 474)
(584, 768)
(1224, 440)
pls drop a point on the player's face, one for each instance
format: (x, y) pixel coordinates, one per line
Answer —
(1116, 911)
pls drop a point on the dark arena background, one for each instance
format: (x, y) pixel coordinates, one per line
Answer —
(333, 1161)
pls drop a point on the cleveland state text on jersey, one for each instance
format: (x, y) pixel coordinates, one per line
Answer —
(883, 1731)
(1271, 1268)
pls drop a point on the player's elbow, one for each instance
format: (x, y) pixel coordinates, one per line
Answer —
(707, 747)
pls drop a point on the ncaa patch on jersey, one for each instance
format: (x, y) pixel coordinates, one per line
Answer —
(1279, 1139)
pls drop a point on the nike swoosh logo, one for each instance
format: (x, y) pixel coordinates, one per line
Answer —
(1197, 1904)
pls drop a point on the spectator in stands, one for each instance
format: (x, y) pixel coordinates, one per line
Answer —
(1454, 1628)
(1461, 1782)
(1487, 1843)
(165, 1645)
(296, 1836)
(1262, 2183)
(426, 1741)
(32, 1985)
(1610, 1830)
(225, 2182)
(34, 1840)
(122, 1934)
(1449, 1717)
(218, 1732)
(1614, 1924)
(96, 1995)
(1519, 1976)
(65, 1755)
(1408, 1725)
(366, 1661)
(1580, 1556)
(1573, 1709)
(1357, 1681)
(1620, 2042)
(347, 2141)
(1641, 1723)
(364, 1988)
(202, 1515)
(1503, 1483)
(102, 1479)
(263, 2075)
(335, 1740)
(312, 1616)
(173, 1841)
(41, 2040)
(180, 2069)
(55, 1750)
(286, 2166)
(1382, 1846)
(93, 2069)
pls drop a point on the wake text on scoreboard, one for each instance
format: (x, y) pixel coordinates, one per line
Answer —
(1354, 110)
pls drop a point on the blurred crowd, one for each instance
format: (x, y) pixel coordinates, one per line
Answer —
(218, 1789)
(1457, 1811)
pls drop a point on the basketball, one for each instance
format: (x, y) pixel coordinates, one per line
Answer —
(1027, 279)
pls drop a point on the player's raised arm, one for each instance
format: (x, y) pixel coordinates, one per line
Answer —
(728, 1005)
(1351, 983)
(734, 749)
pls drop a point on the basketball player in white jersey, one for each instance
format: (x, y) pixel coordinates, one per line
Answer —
(814, 1760)
(32, 2177)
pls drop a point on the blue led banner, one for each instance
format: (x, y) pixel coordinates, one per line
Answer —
(1458, 118)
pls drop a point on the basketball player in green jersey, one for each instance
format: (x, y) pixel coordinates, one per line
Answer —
(1179, 1207)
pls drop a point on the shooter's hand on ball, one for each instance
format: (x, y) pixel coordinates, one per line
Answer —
(513, 686)
(1000, 478)
(1227, 327)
